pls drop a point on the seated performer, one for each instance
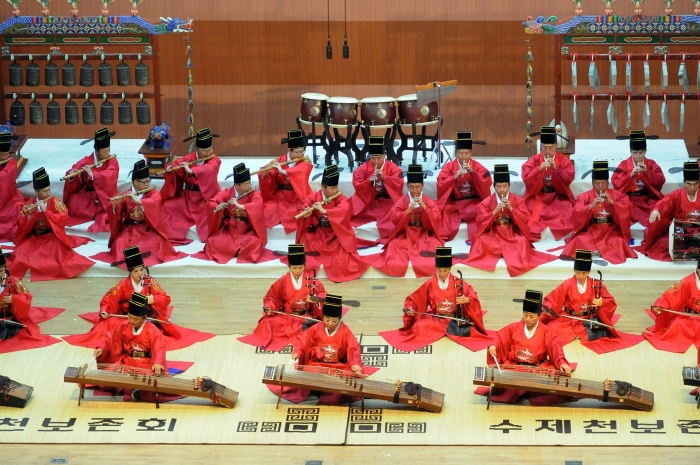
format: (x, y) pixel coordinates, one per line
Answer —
(680, 204)
(87, 194)
(11, 199)
(504, 231)
(416, 220)
(19, 321)
(463, 183)
(527, 343)
(291, 295)
(548, 197)
(602, 220)
(284, 189)
(443, 306)
(378, 185)
(237, 223)
(43, 247)
(330, 345)
(136, 219)
(586, 299)
(190, 183)
(324, 227)
(672, 332)
(640, 178)
(115, 304)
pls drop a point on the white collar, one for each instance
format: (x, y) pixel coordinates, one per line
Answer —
(441, 284)
(137, 286)
(694, 197)
(582, 288)
(529, 334)
(138, 331)
(295, 283)
(335, 331)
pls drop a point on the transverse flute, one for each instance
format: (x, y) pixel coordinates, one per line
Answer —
(325, 202)
(82, 170)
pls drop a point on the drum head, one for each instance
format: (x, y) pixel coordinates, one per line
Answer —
(312, 96)
(406, 98)
(342, 100)
(377, 100)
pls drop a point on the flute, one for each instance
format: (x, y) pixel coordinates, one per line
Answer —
(31, 206)
(182, 165)
(123, 196)
(6, 160)
(325, 202)
(82, 170)
(284, 163)
(224, 205)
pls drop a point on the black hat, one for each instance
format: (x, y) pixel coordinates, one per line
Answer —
(102, 138)
(415, 174)
(464, 140)
(333, 307)
(638, 140)
(296, 255)
(330, 176)
(532, 303)
(690, 171)
(204, 138)
(138, 304)
(501, 173)
(5, 142)
(140, 171)
(376, 145)
(294, 139)
(132, 257)
(241, 174)
(583, 260)
(443, 257)
(40, 179)
(600, 170)
(548, 135)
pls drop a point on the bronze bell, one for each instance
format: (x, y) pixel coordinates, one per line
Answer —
(33, 73)
(123, 73)
(143, 112)
(125, 111)
(106, 111)
(16, 74)
(141, 73)
(36, 112)
(87, 73)
(104, 73)
(89, 111)
(17, 114)
(53, 112)
(50, 72)
(68, 73)
(71, 111)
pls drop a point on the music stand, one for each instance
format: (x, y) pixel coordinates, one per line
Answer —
(432, 92)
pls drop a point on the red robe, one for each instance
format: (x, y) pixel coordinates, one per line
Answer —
(43, 245)
(233, 231)
(543, 349)
(21, 311)
(11, 199)
(116, 302)
(644, 189)
(367, 207)
(317, 349)
(458, 198)
(88, 199)
(275, 331)
(505, 235)
(612, 239)
(421, 330)
(282, 203)
(676, 333)
(132, 224)
(407, 241)
(656, 236)
(183, 207)
(336, 243)
(567, 295)
(548, 195)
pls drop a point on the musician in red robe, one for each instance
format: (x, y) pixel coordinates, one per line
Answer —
(378, 185)
(682, 204)
(42, 245)
(416, 219)
(136, 219)
(640, 178)
(548, 197)
(237, 223)
(284, 190)
(324, 227)
(529, 343)
(602, 220)
(19, 329)
(504, 231)
(87, 194)
(443, 306)
(190, 183)
(673, 332)
(115, 305)
(463, 183)
(586, 299)
(295, 295)
(11, 199)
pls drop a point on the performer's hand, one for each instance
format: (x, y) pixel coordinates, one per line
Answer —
(373, 178)
(506, 204)
(492, 351)
(307, 213)
(222, 206)
(553, 163)
(462, 299)
(421, 203)
(608, 197)
(411, 206)
(187, 168)
(150, 299)
(356, 369)
(238, 205)
(409, 312)
(157, 369)
(295, 357)
(104, 315)
(7, 299)
(565, 368)
(97, 353)
(268, 311)
(655, 215)
(318, 206)
(88, 170)
(598, 302)
(279, 169)
(135, 199)
(595, 202)
(545, 164)
(654, 309)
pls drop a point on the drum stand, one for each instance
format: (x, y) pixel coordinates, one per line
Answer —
(337, 143)
(419, 141)
(439, 148)
(426, 94)
(389, 138)
(311, 140)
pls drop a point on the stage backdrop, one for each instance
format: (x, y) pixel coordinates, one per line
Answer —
(253, 60)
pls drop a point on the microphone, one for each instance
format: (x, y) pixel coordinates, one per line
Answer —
(346, 49)
(329, 49)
